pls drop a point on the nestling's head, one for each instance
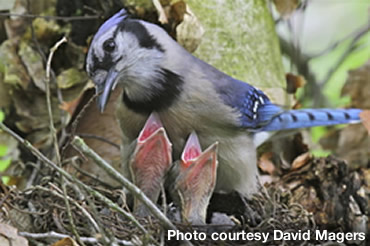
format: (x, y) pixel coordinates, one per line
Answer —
(129, 53)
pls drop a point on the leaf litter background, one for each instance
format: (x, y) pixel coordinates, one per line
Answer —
(301, 192)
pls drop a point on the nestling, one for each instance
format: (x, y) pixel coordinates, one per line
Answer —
(192, 180)
(149, 162)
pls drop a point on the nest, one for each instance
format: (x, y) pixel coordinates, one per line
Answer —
(321, 195)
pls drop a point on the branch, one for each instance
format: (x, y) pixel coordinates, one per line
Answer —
(57, 191)
(345, 54)
(362, 31)
(80, 145)
(53, 133)
(57, 235)
(301, 63)
(93, 192)
(103, 139)
(62, 18)
(48, 98)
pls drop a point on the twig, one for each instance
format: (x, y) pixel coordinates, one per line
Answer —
(5, 197)
(70, 216)
(83, 210)
(164, 206)
(34, 39)
(75, 122)
(107, 235)
(33, 175)
(356, 33)
(57, 235)
(343, 57)
(93, 192)
(117, 208)
(301, 63)
(48, 98)
(31, 208)
(62, 18)
(53, 133)
(96, 179)
(80, 144)
(81, 113)
(86, 135)
(98, 227)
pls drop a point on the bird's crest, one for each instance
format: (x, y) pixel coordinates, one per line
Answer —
(111, 22)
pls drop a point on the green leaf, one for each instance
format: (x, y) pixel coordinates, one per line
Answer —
(317, 133)
(3, 150)
(4, 164)
(5, 179)
(320, 153)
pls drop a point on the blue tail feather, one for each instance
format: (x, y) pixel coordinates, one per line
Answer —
(304, 118)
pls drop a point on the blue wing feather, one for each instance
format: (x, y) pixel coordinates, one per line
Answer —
(253, 106)
(258, 113)
(303, 118)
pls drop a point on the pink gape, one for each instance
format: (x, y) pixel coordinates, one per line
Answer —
(196, 180)
(150, 161)
(191, 180)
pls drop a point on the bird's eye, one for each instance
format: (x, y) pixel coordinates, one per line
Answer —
(109, 45)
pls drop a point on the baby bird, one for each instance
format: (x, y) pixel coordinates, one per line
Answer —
(150, 161)
(193, 179)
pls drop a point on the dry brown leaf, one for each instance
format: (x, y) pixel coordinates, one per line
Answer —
(70, 106)
(71, 77)
(265, 163)
(15, 72)
(45, 31)
(105, 126)
(352, 143)
(66, 242)
(16, 25)
(286, 7)
(301, 160)
(178, 10)
(294, 82)
(189, 32)
(32, 60)
(35, 117)
(9, 236)
(365, 117)
(357, 87)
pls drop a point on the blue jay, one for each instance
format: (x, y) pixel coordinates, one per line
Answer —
(158, 75)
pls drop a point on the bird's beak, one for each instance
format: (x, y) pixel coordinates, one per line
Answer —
(150, 161)
(196, 179)
(104, 89)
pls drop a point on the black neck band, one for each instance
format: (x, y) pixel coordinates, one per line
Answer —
(161, 98)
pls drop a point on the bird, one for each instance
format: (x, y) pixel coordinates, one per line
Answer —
(192, 180)
(188, 95)
(150, 159)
